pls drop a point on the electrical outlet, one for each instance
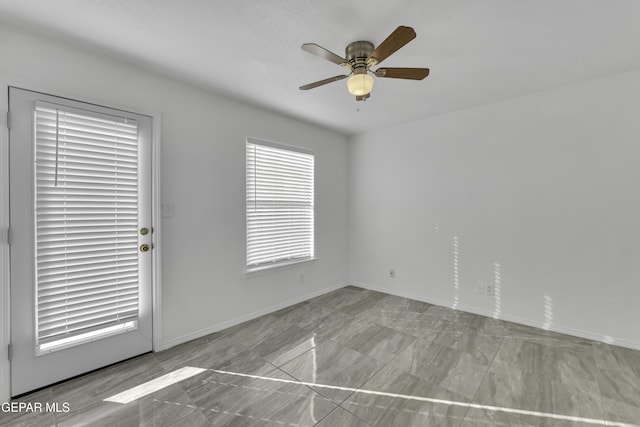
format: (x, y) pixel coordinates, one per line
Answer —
(485, 288)
(392, 273)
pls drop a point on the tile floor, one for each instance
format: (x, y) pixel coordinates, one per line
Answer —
(355, 358)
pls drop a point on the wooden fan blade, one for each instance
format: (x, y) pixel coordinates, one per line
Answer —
(400, 37)
(323, 82)
(317, 50)
(403, 73)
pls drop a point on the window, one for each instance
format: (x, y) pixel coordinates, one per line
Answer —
(279, 205)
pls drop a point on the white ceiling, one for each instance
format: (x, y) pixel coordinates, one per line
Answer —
(479, 51)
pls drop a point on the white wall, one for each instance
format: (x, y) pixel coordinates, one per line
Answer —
(541, 194)
(202, 173)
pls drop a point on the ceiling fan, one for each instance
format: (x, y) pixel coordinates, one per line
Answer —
(361, 56)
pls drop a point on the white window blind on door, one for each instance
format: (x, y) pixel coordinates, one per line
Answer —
(86, 215)
(280, 210)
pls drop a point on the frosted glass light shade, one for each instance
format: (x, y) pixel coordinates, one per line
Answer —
(360, 84)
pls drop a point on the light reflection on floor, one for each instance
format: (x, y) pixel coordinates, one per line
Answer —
(593, 421)
(178, 375)
(154, 385)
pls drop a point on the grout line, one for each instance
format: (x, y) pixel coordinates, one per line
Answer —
(598, 375)
(369, 379)
(354, 415)
(322, 419)
(304, 384)
(360, 387)
(235, 414)
(475, 394)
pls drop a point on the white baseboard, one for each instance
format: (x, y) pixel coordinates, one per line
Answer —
(506, 316)
(224, 325)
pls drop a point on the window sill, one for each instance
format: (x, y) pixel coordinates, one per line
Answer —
(265, 268)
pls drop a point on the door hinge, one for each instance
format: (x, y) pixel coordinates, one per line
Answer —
(8, 119)
(9, 351)
(9, 236)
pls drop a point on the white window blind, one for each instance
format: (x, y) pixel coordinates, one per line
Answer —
(280, 227)
(86, 214)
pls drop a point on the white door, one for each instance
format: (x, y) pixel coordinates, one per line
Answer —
(81, 237)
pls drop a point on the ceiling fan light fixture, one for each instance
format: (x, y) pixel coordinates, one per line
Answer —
(360, 84)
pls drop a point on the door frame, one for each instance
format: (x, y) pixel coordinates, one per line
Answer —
(156, 254)
(5, 313)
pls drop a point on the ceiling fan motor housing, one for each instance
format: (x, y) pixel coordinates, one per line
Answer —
(357, 54)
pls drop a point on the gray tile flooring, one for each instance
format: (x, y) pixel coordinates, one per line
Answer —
(356, 358)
